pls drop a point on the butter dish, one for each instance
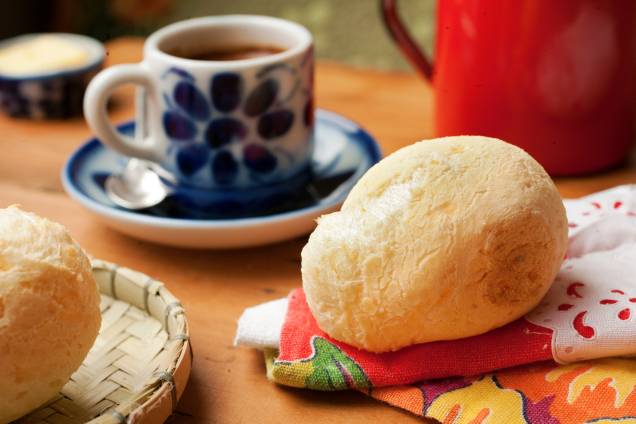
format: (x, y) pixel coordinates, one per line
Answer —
(44, 76)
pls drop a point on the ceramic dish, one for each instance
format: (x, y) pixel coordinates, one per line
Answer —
(51, 94)
(343, 153)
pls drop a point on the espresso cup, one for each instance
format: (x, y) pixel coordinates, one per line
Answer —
(228, 105)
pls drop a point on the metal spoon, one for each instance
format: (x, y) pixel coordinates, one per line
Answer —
(138, 187)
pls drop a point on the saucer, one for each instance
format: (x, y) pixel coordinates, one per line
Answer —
(343, 153)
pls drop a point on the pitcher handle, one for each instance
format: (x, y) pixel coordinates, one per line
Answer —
(403, 39)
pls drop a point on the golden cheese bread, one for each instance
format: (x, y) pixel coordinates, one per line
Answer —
(49, 310)
(443, 239)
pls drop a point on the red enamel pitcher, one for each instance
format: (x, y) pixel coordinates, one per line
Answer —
(557, 78)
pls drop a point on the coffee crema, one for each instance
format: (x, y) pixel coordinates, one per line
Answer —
(230, 53)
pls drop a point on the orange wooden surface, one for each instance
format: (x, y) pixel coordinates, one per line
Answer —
(228, 384)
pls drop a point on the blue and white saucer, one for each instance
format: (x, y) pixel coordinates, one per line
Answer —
(343, 153)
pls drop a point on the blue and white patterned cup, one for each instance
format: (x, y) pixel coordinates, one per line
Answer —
(218, 125)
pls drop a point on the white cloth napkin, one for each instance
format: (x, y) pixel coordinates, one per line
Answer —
(260, 326)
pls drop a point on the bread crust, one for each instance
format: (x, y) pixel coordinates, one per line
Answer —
(49, 310)
(443, 239)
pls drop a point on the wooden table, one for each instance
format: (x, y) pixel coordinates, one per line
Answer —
(228, 384)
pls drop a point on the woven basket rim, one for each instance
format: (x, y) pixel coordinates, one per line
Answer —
(138, 311)
(164, 381)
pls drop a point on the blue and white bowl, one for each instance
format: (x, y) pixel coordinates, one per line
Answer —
(50, 95)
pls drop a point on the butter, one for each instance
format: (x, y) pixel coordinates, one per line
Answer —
(41, 54)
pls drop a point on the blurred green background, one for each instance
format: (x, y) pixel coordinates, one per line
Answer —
(348, 31)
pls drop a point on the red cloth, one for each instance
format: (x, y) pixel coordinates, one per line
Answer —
(519, 342)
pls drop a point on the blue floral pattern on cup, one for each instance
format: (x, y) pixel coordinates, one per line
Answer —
(232, 129)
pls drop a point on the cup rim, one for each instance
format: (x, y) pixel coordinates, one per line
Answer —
(304, 37)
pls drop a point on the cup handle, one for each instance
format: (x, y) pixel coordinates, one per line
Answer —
(403, 39)
(96, 98)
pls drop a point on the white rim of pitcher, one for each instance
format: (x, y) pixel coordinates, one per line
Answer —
(303, 36)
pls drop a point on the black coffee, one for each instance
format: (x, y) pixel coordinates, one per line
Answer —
(234, 53)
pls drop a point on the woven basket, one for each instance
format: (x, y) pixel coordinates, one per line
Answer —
(140, 363)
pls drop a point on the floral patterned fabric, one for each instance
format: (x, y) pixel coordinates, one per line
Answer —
(511, 374)
(599, 391)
